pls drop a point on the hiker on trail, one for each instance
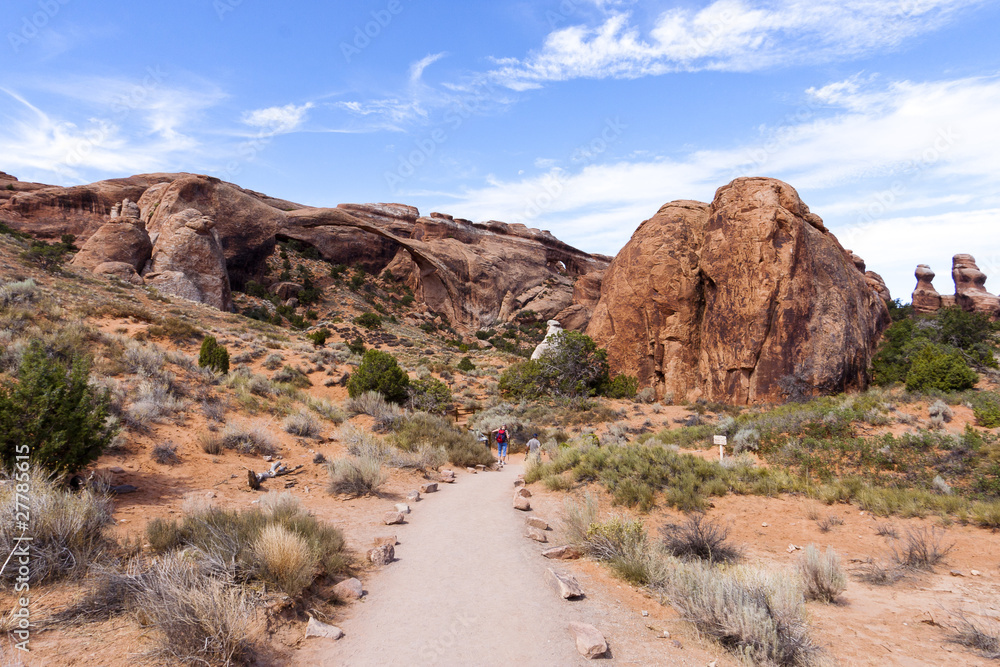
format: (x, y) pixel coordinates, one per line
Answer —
(533, 448)
(502, 441)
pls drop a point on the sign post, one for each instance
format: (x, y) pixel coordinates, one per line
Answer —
(720, 440)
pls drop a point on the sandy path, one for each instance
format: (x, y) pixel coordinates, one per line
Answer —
(467, 589)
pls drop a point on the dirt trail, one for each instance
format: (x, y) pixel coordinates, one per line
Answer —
(468, 589)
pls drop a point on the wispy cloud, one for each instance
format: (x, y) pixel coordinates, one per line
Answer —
(873, 152)
(729, 35)
(278, 120)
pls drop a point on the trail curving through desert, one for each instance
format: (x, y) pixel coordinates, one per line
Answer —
(467, 588)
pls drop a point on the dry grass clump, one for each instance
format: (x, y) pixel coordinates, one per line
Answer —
(200, 619)
(154, 400)
(621, 542)
(363, 444)
(326, 410)
(68, 530)
(273, 361)
(165, 453)
(211, 443)
(356, 475)
(230, 542)
(756, 613)
(303, 425)
(579, 517)
(424, 457)
(921, 549)
(699, 539)
(828, 522)
(822, 576)
(248, 437)
(886, 529)
(372, 403)
(879, 573)
(285, 559)
(18, 292)
(142, 360)
(424, 429)
(982, 634)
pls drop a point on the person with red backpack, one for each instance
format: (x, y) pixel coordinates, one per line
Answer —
(503, 439)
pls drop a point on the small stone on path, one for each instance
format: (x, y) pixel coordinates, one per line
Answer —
(382, 555)
(535, 534)
(565, 584)
(316, 628)
(391, 518)
(589, 640)
(413, 496)
(349, 589)
(402, 508)
(537, 522)
(429, 487)
(566, 552)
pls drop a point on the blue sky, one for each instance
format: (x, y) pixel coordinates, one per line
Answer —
(581, 117)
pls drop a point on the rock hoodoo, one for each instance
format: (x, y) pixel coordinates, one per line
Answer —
(554, 328)
(742, 300)
(970, 289)
(925, 298)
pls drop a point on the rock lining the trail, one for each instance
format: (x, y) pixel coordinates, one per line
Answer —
(316, 628)
(349, 589)
(382, 555)
(589, 640)
(565, 584)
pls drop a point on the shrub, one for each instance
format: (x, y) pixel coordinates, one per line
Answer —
(940, 409)
(211, 443)
(49, 255)
(273, 361)
(579, 518)
(423, 429)
(200, 618)
(879, 573)
(249, 437)
(356, 476)
(68, 530)
(326, 410)
(213, 355)
(922, 549)
(622, 386)
(357, 346)
(153, 400)
(285, 559)
(572, 365)
(53, 414)
(698, 538)
(986, 409)
(614, 537)
(165, 453)
(379, 372)
(374, 404)
(430, 395)
(757, 614)
(465, 365)
(822, 576)
(935, 368)
(369, 321)
(292, 376)
(645, 395)
(982, 635)
(18, 292)
(319, 337)
(303, 425)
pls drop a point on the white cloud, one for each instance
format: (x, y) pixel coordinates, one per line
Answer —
(730, 35)
(417, 68)
(278, 120)
(873, 156)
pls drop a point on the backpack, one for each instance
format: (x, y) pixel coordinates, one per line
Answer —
(501, 437)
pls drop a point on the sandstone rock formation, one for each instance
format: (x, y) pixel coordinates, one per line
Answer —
(187, 260)
(970, 290)
(473, 273)
(925, 298)
(743, 300)
(121, 241)
(554, 328)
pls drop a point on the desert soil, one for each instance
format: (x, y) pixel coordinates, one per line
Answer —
(468, 588)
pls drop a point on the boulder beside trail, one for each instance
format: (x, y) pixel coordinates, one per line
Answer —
(566, 552)
(382, 555)
(565, 584)
(349, 589)
(589, 640)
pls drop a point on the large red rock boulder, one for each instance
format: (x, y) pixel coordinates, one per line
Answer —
(744, 300)
(245, 225)
(188, 260)
(117, 241)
